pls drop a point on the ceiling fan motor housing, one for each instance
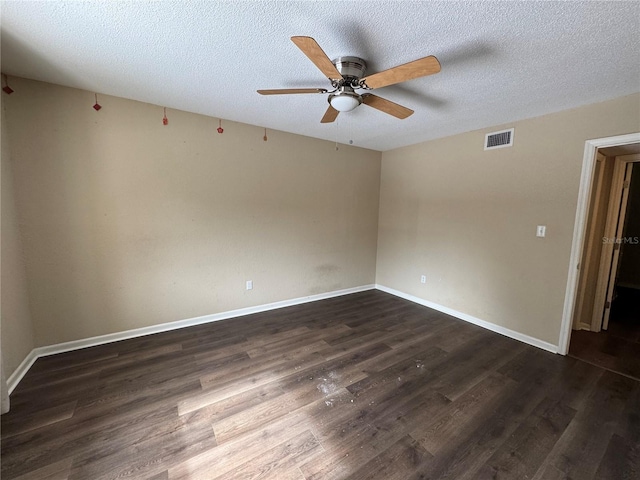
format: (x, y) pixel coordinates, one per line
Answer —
(351, 68)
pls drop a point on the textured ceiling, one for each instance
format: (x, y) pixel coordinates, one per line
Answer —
(501, 61)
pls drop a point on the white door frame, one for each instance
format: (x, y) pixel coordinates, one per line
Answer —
(579, 228)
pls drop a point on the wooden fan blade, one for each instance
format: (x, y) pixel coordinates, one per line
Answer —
(416, 69)
(289, 91)
(313, 51)
(330, 115)
(386, 106)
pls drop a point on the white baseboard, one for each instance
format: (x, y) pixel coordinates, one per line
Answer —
(583, 326)
(21, 371)
(476, 321)
(23, 368)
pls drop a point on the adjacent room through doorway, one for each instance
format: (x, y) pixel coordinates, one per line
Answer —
(607, 323)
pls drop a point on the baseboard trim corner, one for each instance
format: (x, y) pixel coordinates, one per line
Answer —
(27, 363)
(536, 342)
(21, 371)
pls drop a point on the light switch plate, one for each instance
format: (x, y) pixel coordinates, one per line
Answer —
(541, 231)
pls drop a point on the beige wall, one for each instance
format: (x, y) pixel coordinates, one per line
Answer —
(467, 218)
(128, 223)
(15, 318)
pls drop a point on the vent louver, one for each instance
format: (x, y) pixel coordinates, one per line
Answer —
(500, 139)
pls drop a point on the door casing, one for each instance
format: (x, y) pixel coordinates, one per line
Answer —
(579, 228)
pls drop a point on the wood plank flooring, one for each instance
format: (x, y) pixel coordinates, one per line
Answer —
(618, 348)
(364, 386)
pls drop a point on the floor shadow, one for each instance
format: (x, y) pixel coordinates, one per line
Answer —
(618, 348)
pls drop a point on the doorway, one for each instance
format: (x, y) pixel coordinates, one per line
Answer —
(606, 321)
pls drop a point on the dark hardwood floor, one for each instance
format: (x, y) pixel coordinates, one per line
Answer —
(364, 386)
(618, 348)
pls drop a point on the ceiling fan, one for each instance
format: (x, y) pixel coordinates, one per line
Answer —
(346, 75)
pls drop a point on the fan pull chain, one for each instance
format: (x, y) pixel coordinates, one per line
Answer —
(220, 129)
(265, 135)
(350, 133)
(165, 120)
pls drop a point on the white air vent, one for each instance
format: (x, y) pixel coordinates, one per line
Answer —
(498, 139)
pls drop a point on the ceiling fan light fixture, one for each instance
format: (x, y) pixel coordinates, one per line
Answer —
(345, 101)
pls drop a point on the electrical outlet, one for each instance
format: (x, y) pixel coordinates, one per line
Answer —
(249, 284)
(423, 279)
